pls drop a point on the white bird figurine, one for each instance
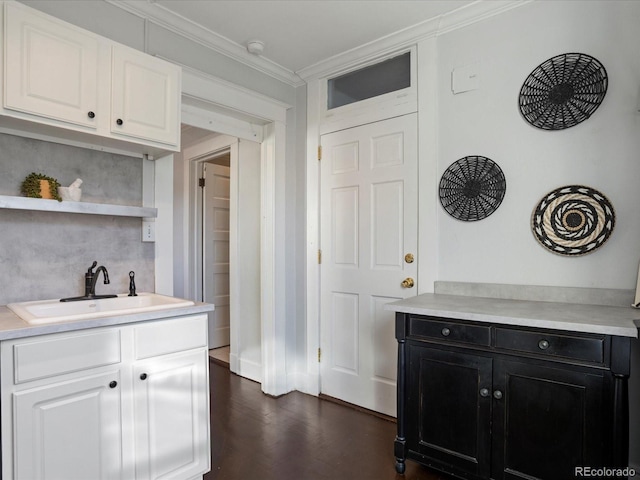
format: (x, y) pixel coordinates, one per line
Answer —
(71, 193)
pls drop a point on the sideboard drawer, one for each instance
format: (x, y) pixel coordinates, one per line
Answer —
(448, 331)
(589, 349)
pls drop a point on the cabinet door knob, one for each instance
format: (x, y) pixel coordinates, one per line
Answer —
(445, 332)
(497, 394)
(143, 376)
(91, 115)
(119, 121)
(484, 392)
(543, 344)
(113, 384)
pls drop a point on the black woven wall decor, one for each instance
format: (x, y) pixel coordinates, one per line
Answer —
(563, 91)
(472, 188)
(573, 220)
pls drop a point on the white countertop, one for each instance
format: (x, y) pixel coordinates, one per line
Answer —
(12, 326)
(606, 320)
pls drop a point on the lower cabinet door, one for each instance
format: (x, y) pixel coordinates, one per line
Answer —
(172, 416)
(69, 430)
(449, 403)
(547, 421)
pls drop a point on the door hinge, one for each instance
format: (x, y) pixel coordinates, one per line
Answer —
(319, 256)
(201, 182)
(319, 152)
(319, 354)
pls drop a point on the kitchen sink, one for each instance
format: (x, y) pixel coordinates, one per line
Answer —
(51, 311)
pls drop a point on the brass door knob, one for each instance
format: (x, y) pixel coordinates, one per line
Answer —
(408, 282)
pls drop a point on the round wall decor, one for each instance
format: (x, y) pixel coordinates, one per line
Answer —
(472, 188)
(563, 91)
(573, 220)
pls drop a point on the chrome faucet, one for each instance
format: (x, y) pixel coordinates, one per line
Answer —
(90, 279)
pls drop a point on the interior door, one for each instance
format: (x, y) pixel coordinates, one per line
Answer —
(215, 268)
(368, 210)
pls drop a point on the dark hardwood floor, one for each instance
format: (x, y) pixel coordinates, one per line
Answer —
(297, 437)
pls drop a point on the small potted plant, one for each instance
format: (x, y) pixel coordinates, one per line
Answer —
(38, 185)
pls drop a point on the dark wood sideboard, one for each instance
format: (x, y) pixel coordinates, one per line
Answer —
(481, 400)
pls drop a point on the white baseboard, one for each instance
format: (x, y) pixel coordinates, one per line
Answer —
(305, 383)
(245, 368)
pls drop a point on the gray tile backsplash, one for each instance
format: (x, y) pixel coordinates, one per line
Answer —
(44, 255)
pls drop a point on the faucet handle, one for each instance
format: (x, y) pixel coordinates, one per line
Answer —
(93, 265)
(132, 284)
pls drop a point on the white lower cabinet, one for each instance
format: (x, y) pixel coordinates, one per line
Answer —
(69, 430)
(169, 409)
(123, 402)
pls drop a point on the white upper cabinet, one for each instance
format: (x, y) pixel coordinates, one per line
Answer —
(51, 69)
(89, 88)
(145, 96)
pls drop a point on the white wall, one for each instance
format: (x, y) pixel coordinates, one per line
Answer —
(601, 152)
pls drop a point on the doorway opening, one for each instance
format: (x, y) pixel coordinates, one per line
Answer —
(214, 183)
(224, 185)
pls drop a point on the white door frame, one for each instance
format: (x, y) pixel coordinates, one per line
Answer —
(427, 83)
(215, 98)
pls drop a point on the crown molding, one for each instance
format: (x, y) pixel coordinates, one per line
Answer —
(156, 13)
(469, 14)
(474, 12)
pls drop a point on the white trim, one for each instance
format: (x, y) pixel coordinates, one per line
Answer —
(161, 16)
(163, 180)
(224, 97)
(427, 164)
(392, 104)
(313, 238)
(199, 85)
(219, 122)
(460, 18)
(273, 262)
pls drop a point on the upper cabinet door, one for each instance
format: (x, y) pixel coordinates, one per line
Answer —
(51, 68)
(145, 97)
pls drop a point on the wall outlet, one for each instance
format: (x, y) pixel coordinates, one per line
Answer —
(148, 231)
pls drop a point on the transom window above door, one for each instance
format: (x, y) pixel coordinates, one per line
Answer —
(388, 76)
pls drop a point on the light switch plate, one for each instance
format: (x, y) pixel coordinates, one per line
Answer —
(148, 231)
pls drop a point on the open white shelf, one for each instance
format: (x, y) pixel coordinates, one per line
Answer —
(26, 203)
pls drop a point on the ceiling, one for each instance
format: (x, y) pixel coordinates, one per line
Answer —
(296, 33)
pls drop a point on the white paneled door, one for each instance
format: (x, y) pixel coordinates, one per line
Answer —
(215, 268)
(369, 230)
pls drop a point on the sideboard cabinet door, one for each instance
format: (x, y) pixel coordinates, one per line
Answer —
(547, 421)
(450, 409)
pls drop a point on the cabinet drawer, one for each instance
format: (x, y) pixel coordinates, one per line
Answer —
(579, 348)
(448, 331)
(169, 336)
(65, 353)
